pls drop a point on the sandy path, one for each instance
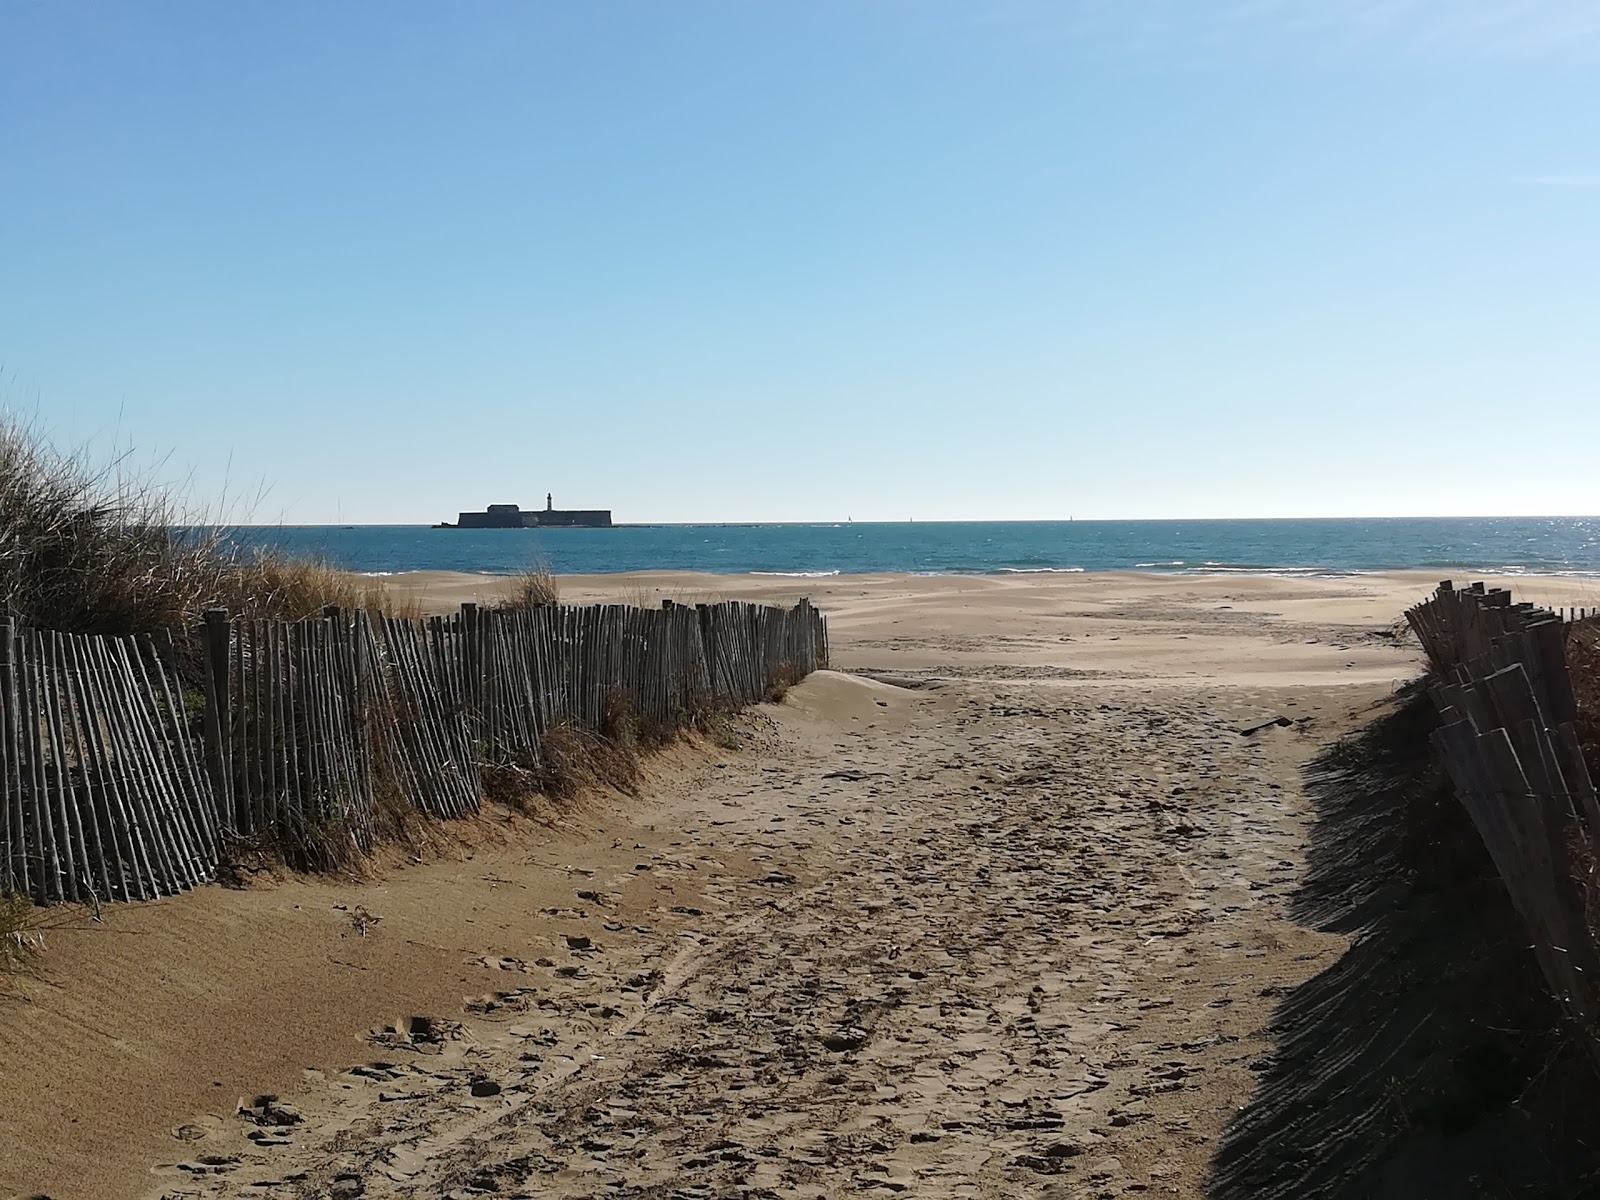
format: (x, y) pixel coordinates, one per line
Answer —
(986, 942)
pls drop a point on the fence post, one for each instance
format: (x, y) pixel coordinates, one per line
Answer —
(472, 671)
(708, 649)
(12, 848)
(218, 715)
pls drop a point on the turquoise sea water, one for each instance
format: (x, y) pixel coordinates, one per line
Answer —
(1568, 545)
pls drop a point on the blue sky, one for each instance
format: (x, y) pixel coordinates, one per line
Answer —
(368, 262)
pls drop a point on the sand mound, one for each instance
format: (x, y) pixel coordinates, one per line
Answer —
(831, 700)
(839, 699)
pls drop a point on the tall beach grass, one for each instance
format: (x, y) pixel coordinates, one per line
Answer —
(92, 548)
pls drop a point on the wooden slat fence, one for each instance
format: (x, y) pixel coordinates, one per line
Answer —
(106, 795)
(118, 783)
(1508, 739)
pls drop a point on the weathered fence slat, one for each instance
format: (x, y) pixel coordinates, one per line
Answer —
(1506, 704)
(131, 870)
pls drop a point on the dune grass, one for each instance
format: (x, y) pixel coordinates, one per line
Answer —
(21, 941)
(271, 586)
(90, 548)
(788, 675)
(85, 549)
(533, 586)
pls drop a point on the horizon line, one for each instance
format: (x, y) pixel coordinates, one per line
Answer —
(842, 521)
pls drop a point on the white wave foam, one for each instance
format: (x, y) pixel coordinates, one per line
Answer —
(797, 574)
(1221, 568)
(1039, 570)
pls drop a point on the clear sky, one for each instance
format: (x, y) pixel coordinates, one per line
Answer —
(376, 262)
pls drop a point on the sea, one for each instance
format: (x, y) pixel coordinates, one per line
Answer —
(1553, 545)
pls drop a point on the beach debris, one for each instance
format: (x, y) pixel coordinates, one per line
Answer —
(210, 1164)
(516, 999)
(379, 1070)
(268, 1111)
(1052, 1160)
(499, 963)
(1280, 722)
(360, 919)
(845, 1040)
(423, 1034)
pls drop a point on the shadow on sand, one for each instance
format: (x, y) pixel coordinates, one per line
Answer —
(1428, 1062)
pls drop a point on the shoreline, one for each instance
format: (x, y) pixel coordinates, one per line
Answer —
(1559, 582)
(1222, 571)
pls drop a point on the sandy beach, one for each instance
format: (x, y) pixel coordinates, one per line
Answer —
(995, 908)
(1109, 627)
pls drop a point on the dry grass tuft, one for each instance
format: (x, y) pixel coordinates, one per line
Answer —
(268, 586)
(397, 818)
(296, 843)
(786, 677)
(21, 940)
(722, 731)
(515, 784)
(573, 761)
(532, 587)
(618, 724)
